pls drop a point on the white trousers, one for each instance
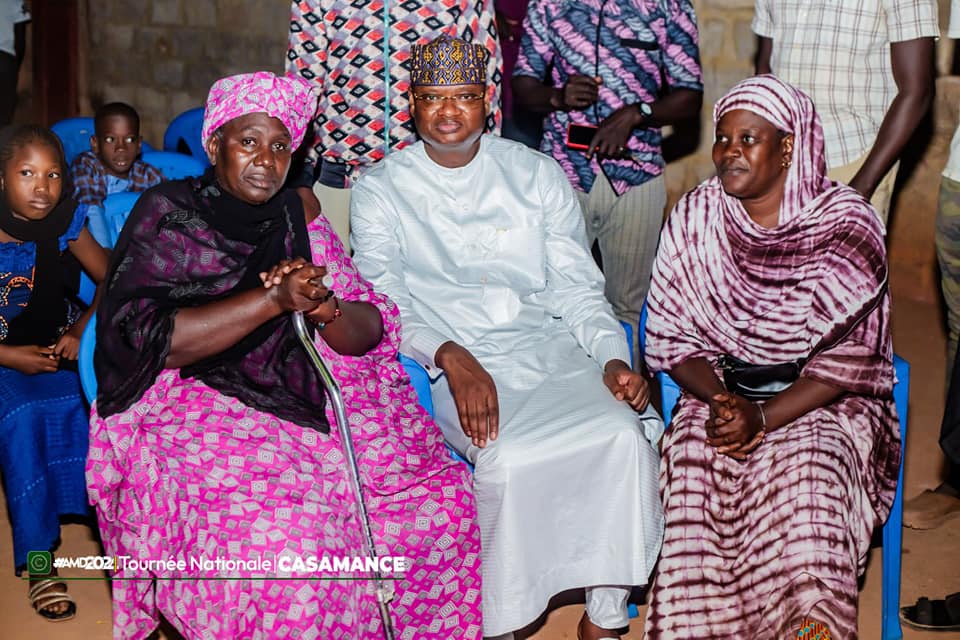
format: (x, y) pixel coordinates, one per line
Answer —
(606, 608)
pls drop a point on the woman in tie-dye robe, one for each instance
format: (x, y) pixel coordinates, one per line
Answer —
(229, 456)
(770, 507)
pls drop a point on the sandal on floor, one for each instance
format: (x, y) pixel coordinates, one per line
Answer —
(48, 592)
(930, 510)
(933, 615)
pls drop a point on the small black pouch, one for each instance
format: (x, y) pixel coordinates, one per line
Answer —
(634, 43)
(758, 381)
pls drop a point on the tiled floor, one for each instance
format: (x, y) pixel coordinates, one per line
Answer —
(931, 560)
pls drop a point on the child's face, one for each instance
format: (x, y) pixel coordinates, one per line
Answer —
(32, 181)
(117, 144)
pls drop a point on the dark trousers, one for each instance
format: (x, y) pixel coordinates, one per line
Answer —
(950, 427)
(9, 70)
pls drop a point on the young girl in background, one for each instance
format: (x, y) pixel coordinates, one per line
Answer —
(43, 419)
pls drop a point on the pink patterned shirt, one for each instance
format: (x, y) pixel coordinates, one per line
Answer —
(341, 45)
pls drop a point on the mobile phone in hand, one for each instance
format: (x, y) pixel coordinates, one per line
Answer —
(579, 136)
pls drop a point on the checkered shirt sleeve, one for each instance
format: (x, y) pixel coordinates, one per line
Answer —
(911, 19)
(87, 176)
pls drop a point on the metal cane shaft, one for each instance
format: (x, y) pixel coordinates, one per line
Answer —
(336, 399)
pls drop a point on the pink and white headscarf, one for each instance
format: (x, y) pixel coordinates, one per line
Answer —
(290, 99)
(791, 110)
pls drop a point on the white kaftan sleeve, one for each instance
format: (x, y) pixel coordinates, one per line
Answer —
(574, 282)
(374, 236)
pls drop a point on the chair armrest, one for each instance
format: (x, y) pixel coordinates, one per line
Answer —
(420, 381)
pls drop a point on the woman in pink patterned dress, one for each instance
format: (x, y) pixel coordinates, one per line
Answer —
(770, 505)
(211, 440)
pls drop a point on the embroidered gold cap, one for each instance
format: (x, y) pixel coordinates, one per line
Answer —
(447, 61)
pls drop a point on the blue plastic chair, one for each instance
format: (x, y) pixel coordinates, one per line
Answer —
(88, 289)
(184, 131)
(74, 134)
(116, 210)
(892, 529)
(174, 166)
(88, 342)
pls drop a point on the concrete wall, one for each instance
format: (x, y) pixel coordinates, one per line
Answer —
(162, 55)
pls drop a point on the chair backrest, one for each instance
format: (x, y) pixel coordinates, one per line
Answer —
(183, 135)
(174, 166)
(88, 343)
(116, 210)
(87, 290)
(75, 134)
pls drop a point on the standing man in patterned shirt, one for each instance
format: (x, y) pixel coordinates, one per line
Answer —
(13, 24)
(627, 67)
(868, 65)
(343, 46)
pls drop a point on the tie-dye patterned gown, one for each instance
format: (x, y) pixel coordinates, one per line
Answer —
(753, 548)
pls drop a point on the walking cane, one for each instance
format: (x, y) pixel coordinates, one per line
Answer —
(384, 592)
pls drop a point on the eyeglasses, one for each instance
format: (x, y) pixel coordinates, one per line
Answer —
(462, 100)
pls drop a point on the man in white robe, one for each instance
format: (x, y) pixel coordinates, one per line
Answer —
(481, 243)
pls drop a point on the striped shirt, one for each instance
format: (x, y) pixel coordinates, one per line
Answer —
(838, 52)
(639, 40)
(340, 45)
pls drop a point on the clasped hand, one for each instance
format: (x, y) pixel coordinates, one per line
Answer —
(299, 287)
(626, 384)
(735, 427)
(31, 359)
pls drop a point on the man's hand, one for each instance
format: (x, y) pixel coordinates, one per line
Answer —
(31, 359)
(626, 384)
(578, 93)
(473, 391)
(506, 27)
(610, 140)
(735, 426)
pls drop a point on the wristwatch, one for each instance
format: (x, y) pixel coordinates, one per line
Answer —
(645, 109)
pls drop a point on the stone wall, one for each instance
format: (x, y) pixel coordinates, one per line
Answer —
(727, 49)
(162, 55)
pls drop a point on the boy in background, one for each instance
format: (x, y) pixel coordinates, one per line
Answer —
(112, 165)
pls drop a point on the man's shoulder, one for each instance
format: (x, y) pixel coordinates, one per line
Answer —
(516, 154)
(385, 171)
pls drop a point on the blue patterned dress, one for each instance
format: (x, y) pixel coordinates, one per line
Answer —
(43, 423)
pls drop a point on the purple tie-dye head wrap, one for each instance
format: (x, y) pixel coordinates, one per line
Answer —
(791, 110)
(290, 99)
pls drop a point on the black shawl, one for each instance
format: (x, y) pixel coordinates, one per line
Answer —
(188, 243)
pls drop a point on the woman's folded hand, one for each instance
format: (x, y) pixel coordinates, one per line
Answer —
(297, 285)
(735, 427)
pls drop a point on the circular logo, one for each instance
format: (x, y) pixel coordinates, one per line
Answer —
(39, 562)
